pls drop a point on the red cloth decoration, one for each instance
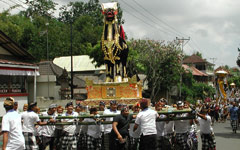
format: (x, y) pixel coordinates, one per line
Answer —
(122, 33)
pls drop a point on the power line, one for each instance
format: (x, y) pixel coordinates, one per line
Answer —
(177, 32)
(17, 4)
(147, 18)
(5, 2)
(9, 4)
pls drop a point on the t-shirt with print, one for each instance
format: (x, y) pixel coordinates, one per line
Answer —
(123, 124)
(11, 122)
(29, 119)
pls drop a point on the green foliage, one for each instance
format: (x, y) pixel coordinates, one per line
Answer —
(44, 8)
(29, 28)
(199, 54)
(159, 62)
(234, 79)
(193, 90)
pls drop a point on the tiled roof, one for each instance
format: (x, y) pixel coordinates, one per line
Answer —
(11, 62)
(12, 47)
(56, 70)
(49, 68)
(194, 59)
(194, 71)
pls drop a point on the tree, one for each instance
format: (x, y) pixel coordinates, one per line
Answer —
(44, 8)
(198, 54)
(159, 61)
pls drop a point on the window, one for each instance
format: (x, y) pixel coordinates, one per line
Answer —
(12, 84)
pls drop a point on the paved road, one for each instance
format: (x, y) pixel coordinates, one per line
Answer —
(225, 138)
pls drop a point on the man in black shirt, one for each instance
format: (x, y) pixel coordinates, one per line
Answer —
(119, 133)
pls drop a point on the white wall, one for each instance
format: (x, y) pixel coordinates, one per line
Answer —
(47, 83)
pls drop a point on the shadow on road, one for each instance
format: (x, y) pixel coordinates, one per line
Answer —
(228, 135)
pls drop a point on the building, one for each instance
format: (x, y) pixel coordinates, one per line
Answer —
(204, 68)
(83, 67)
(18, 73)
(197, 74)
(54, 83)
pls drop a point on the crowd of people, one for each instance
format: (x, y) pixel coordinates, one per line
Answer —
(139, 129)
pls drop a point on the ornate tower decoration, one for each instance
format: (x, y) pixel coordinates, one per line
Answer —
(114, 45)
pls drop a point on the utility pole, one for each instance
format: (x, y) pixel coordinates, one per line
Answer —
(213, 60)
(182, 40)
(48, 59)
(71, 61)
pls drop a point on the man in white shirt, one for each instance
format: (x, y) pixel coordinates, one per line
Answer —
(47, 131)
(29, 119)
(181, 128)
(69, 138)
(160, 125)
(108, 127)
(58, 129)
(206, 131)
(146, 120)
(93, 132)
(169, 133)
(11, 128)
(134, 136)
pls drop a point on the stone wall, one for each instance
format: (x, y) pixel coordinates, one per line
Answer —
(43, 103)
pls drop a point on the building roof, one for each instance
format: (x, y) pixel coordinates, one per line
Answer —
(11, 62)
(194, 71)
(13, 48)
(49, 68)
(80, 63)
(194, 59)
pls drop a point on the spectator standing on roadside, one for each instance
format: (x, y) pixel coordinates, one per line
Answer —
(146, 120)
(11, 127)
(234, 117)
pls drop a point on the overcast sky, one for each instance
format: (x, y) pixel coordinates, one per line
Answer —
(212, 25)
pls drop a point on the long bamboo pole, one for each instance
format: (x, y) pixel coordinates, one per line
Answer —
(100, 118)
